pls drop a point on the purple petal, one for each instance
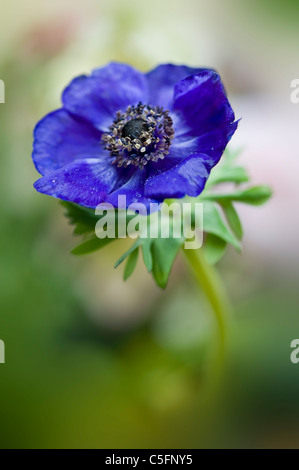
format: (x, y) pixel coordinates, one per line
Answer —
(186, 178)
(161, 82)
(86, 182)
(201, 104)
(107, 90)
(133, 190)
(59, 139)
(212, 144)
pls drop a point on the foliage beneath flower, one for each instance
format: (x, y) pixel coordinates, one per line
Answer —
(221, 223)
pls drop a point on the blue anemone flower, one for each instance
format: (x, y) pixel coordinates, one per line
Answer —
(145, 136)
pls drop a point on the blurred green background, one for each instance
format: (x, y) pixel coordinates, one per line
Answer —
(92, 361)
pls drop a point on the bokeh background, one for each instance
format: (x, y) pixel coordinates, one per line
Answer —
(92, 361)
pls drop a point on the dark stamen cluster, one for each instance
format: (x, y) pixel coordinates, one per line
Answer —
(139, 135)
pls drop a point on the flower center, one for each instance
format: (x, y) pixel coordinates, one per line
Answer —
(139, 135)
(134, 128)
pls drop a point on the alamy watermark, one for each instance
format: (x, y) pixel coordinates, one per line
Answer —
(295, 353)
(175, 220)
(295, 93)
(2, 352)
(2, 91)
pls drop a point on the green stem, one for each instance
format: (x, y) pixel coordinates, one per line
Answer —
(210, 282)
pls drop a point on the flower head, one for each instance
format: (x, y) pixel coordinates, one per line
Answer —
(144, 136)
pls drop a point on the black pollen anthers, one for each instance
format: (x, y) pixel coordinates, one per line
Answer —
(139, 135)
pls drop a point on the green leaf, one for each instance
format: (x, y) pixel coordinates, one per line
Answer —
(214, 248)
(233, 218)
(127, 253)
(255, 195)
(147, 254)
(225, 174)
(226, 171)
(158, 253)
(131, 263)
(213, 223)
(164, 251)
(91, 245)
(231, 155)
(83, 218)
